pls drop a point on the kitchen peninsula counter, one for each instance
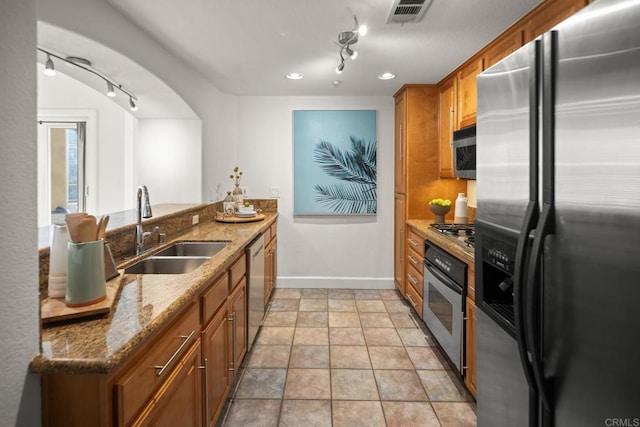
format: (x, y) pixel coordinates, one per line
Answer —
(144, 304)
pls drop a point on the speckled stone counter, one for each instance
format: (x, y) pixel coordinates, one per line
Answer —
(144, 304)
(462, 252)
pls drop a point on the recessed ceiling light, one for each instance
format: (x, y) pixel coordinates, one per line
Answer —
(336, 83)
(386, 76)
(295, 76)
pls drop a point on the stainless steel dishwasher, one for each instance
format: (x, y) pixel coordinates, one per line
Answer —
(255, 267)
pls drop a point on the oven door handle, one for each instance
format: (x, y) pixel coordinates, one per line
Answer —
(444, 279)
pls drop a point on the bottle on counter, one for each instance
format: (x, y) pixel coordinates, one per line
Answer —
(460, 215)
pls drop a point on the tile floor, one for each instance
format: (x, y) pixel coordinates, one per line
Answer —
(336, 357)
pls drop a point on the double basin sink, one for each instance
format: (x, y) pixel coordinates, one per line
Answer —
(179, 258)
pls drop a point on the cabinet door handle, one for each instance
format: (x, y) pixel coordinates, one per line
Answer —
(412, 279)
(412, 242)
(412, 260)
(411, 301)
(186, 339)
(232, 364)
(206, 389)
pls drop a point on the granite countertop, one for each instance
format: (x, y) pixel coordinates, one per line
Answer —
(144, 304)
(463, 252)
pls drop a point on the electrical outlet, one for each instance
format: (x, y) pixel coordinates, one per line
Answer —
(274, 192)
(195, 219)
(245, 191)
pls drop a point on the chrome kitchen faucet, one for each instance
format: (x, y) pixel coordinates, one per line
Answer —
(143, 211)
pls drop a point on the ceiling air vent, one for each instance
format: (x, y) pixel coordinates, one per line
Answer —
(407, 11)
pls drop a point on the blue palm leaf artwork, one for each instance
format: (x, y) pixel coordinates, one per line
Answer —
(335, 162)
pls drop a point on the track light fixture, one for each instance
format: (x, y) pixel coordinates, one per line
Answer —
(86, 65)
(346, 40)
(49, 69)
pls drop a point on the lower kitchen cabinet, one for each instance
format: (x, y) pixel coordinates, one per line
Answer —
(414, 282)
(470, 341)
(178, 401)
(238, 320)
(270, 265)
(217, 361)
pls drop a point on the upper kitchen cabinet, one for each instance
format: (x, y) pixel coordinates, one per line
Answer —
(548, 15)
(447, 123)
(503, 46)
(467, 96)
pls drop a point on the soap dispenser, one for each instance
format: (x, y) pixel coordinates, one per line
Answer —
(460, 213)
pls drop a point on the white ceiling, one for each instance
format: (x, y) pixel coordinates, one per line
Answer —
(245, 47)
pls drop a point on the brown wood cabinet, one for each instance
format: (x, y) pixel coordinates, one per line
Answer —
(270, 263)
(447, 124)
(503, 46)
(178, 402)
(417, 172)
(238, 320)
(470, 332)
(548, 15)
(414, 270)
(467, 93)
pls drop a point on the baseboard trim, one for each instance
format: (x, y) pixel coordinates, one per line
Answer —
(335, 282)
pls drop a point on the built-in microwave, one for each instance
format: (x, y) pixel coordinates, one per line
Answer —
(464, 152)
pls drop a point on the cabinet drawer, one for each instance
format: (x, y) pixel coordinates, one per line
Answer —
(137, 385)
(238, 270)
(415, 259)
(274, 229)
(214, 297)
(415, 242)
(267, 235)
(471, 282)
(415, 279)
(414, 299)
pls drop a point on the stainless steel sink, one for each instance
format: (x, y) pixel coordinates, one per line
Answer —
(166, 265)
(182, 249)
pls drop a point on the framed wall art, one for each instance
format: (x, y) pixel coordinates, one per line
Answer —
(334, 162)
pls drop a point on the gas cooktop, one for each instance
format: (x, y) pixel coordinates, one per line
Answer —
(463, 234)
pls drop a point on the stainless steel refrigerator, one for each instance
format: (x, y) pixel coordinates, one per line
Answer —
(558, 226)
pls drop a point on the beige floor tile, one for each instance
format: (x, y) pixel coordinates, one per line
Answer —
(308, 413)
(341, 294)
(309, 356)
(275, 335)
(286, 293)
(314, 293)
(281, 318)
(455, 414)
(427, 358)
(346, 336)
(413, 414)
(313, 304)
(413, 337)
(371, 306)
(308, 384)
(353, 384)
(269, 356)
(389, 358)
(253, 413)
(366, 294)
(344, 320)
(444, 386)
(396, 306)
(381, 336)
(402, 320)
(350, 357)
(357, 414)
(375, 320)
(391, 294)
(284, 304)
(396, 384)
(345, 305)
(313, 319)
(261, 384)
(311, 336)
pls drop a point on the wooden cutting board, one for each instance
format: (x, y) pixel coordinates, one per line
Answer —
(236, 219)
(55, 310)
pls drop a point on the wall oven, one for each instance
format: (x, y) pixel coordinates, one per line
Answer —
(445, 284)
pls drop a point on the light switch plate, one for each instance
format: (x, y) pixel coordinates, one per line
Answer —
(274, 191)
(195, 219)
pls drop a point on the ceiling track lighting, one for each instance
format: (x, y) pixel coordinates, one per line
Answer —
(86, 65)
(346, 40)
